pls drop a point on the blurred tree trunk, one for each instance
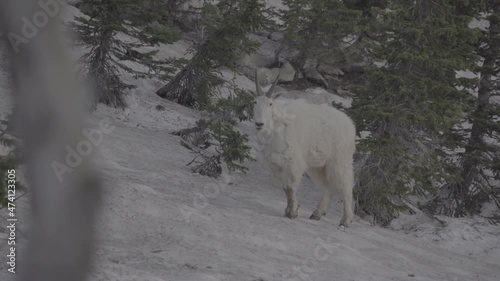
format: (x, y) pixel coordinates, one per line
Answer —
(49, 105)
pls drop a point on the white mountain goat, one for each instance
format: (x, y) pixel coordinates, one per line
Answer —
(296, 137)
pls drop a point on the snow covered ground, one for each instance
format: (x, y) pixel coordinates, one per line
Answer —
(158, 221)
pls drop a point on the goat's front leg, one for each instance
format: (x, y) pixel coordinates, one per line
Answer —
(290, 173)
(292, 207)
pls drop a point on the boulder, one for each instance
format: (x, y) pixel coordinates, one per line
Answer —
(275, 36)
(267, 76)
(310, 63)
(255, 60)
(331, 70)
(287, 72)
(314, 76)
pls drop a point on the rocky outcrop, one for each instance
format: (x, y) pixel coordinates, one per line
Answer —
(313, 75)
(267, 76)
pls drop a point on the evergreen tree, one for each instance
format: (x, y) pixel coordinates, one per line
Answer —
(8, 162)
(409, 101)
(368, 28)
(478, 167)
(173, 9)
(215, 138)
(113, 31)
(226, 25)
(318, 28)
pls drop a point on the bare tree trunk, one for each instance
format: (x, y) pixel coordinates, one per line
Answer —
(49, 104)
(172, 7)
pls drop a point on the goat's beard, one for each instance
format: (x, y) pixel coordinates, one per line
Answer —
(273, 129)
(264, 136)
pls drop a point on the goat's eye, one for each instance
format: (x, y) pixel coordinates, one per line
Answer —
(255, 102)
(270, 104)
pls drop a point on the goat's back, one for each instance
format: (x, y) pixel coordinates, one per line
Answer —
(318, 132)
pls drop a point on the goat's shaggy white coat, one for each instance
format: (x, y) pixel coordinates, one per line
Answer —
(296, 137)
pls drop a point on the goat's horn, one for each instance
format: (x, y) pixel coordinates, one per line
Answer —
(271, 90)
(257, 85)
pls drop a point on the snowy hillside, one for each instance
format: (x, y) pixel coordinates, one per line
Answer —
(159, 221)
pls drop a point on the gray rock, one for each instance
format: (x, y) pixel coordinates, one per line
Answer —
(314, 76)
(275, 36)
(267, 76)
(310, 63)
(287, 72)
(256, 60)
(330, 70)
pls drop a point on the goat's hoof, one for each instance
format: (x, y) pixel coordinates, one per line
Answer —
(291, 215)
(342, 227)
(345, 222)
(315, 217)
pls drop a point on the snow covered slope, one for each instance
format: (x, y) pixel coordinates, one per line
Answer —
(160, 222)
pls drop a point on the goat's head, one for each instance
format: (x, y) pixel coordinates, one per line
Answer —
(263, 104)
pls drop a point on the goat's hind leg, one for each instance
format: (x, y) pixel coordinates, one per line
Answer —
(340, 176)
(346, 183)
(348, 213)
(323, 205)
